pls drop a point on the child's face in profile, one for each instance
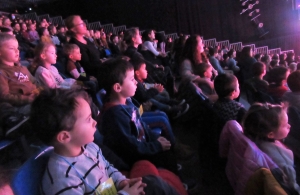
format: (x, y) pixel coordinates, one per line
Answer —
(236, 92)
(49, 55)
(84, 126)
(128, 87)
(76, 55)
(208, 73)
(283, 130)
(142, 72)
(9, 52)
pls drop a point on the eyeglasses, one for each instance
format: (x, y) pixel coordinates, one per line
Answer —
(80, 24)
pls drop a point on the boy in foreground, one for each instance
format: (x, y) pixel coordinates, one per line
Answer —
(62, 118)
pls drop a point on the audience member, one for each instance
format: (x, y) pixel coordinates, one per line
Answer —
(267, 125)
(62, 118)
(47, 74)
(277, 79)
(123, 129)
(293, 96)
(227, 88)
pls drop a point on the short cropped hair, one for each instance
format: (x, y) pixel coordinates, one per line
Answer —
(225, 84)
(293, 81)
(69, 48)
(53, 111)
(200, 69)
(114, 72)
(6, 37)
(137, 62)
(258, 68)
(277, 75)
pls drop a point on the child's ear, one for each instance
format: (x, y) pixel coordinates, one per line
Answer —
(70, 56)
(117, 87)
(63, 137)
(271, 135)
(43, 56)
(136, 72)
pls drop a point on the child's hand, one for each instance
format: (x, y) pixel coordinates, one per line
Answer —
(133, 186)
(159, 87)
(166, 145)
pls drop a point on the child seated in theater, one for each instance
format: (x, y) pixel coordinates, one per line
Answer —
(266, 125)
(258, 72)
(277, 78)
(46, 74)
(33, 34)
(293, 96)
(227, 88)
(62, 119)
(44, 35)
(75, 70)
(122, 126)
(205, 71)
(155, 93)
(17, 86)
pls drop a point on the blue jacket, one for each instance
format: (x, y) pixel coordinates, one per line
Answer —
(121, 126)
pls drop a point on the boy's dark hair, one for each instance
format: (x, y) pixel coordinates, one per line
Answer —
(137, 62)
(53, 111)
(212, 51)
(258, 68)
(293, 81)
(277, 75)
(200, 69)
(225, 84)
(69, 48)
(115, 72)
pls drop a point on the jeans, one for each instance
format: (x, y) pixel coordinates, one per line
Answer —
(159, 120)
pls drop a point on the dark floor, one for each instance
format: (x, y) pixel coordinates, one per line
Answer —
(210, 176)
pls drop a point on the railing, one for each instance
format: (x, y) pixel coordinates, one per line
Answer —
(93, 26)
(41, 17)
(209, 42)
(108, 28)
(57, 20)
(223, 43)
(250, 45)
(261, 50)
(174, 36)
(31, 16)
(288, 51)
(236, 46)
(274, 51)
(117, 29)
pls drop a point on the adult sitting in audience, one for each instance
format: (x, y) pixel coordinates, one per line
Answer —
(245, 63)
(192, 56)
(90, 58)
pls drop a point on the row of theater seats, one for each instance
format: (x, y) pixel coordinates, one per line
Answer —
(109, 28)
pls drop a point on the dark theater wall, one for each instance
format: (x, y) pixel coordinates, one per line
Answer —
(219, 19)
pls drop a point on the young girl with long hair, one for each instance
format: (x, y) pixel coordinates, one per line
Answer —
(46, 74)
(266, 125)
